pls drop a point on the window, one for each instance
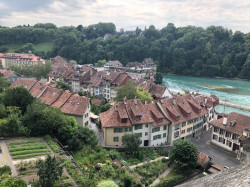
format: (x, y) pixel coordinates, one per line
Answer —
(138, 134)
(130, 129)
(221, 140)
(138, 126)
(229, 144)
(146, 125)
(215, 137)
(228, 134)
(116, 139)
(160, 120)
(189, 129)
(183, 124)
(146, 133)
(165, 127)
(222, 131)
(176, 127)
(157, 137)
(86, 123)
(126, 129)
(164, 135)
(124, 120)
(156, 129)
(176, 134)
(235, 137)
(118, 130)
(86, 115)
(183, 132)
(190, 122)
(137, 118)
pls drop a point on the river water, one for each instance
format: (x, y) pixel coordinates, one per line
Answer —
(233, 91)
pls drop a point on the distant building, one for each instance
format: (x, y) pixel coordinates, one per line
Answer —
(1, 54)
(69, 103)
(11, 59)
(11, 76)
(226, 131)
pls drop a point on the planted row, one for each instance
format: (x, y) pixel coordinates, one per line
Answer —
(29, 151)
(24, 142)
(30, 155)
(52, 144)
(31, 147)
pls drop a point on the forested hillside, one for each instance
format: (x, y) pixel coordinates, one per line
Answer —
(214, 51)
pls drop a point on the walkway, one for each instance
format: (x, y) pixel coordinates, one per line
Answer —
(5, 158)
(164, 174)
(142, 163)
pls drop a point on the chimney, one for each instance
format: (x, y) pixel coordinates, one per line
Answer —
(174, 101)
(146, 101)
(224, 121)
(91, 72)
(135, 100)
(205, 100)
(125, 100)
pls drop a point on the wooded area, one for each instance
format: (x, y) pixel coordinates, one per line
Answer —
(190, 50)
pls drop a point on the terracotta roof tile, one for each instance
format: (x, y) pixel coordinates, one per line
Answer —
(27, 83)
(96, 101)
(6, 73)
(62, 99)
(50, 95)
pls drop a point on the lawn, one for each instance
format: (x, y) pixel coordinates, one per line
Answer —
(28, 148)
(45, 47)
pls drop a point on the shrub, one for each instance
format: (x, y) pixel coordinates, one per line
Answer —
(5, 170)
(52, 144)
(170, 181)
(38, 146)
(108, 183)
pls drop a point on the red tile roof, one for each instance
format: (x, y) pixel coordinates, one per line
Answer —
(240, 122)
(37, 88)
(6, 73)
(75, 105)
(203, 158)
(96, 101)
(50, 95)
(23, 57)
(27, 83)
(62, 99)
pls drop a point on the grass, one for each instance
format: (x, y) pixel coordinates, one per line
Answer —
(24, 142)
(29, 151)
(52, 144)
(44, 46)
(30, 155)
(31, 147)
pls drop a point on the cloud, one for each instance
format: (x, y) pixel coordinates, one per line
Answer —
(128, 14)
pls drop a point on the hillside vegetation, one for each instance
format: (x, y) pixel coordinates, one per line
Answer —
(190, 50)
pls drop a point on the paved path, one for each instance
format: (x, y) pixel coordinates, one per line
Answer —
(142, 163)
(5, 158)
(161, 176)
(99, 133)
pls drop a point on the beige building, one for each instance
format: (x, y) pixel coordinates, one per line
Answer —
(13, 59)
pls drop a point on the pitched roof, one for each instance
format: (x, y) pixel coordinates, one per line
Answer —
(96, 101)
(50, 95)
(6, 73)
(239, 121)
(115, 63)
(75, 105)
(37, 88)
(62, 99)
(59, 60)
(27, 83)
(203, 159)
(23, 57)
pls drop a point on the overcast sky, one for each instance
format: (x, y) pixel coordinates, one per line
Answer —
(127, 14)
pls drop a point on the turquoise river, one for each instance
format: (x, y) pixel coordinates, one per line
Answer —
(232, 91)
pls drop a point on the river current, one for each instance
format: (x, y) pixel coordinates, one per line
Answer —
(233, 91)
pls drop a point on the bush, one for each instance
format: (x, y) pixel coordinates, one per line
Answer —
(5, 170)
(170, 181)
(14, 182)
(31, 147)
(52, 144)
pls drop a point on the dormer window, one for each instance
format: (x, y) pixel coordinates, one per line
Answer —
(177, 118)
(124, 120)
(189, 114)
(137, 118)
(160, 120)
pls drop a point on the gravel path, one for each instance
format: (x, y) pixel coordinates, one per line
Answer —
(142, 163)
(5, 158)
(161, 176)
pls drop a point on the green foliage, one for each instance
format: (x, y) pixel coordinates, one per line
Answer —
(49, 171)
(5, 170)
(52, 144)
(14, 182)
(15, 153)
(132, 143)
(95, 109)
(19, 97)
(38, 71)
(31, 147)
(170, 181)
(130, 91)
(183, 155)
(4, 84)
(107, 184)
(62, 85)
(158, 78)
(100, 63)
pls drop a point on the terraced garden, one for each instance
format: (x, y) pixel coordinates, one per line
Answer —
(28, 148)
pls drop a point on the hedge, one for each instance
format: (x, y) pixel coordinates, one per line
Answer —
(28, 152)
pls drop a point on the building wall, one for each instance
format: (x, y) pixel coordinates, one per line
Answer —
(109, 135)
(75, 85)
(159, 141)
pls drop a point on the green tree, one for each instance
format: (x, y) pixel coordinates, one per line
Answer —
(143, 95)
(158, 78)
(128, 90)
(19, 97)
(14, 182)
(3, 83)
(100, 63)
(183, 155)
(62, 85)
(49, 171)
(132, 143)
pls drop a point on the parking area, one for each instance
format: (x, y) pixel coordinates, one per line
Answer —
(5, 158)
(219, 155)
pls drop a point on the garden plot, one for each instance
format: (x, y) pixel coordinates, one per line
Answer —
(27, 148)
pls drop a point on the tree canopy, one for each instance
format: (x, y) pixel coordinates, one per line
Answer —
(183, 155)
(132, 143)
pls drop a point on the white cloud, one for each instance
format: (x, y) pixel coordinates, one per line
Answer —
(131, 13)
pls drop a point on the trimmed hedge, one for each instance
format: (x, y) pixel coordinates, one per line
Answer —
(31, 147)
(52, 144)
(28, 152)
(30, 155)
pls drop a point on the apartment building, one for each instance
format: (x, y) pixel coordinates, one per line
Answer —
(227, 131)
(69, 103)
(158, 123)
(19, 59)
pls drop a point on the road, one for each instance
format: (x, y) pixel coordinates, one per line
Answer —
(219, 155)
